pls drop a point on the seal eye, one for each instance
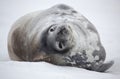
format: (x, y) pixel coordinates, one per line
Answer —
(52, 28)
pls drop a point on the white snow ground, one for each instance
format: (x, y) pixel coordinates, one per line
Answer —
(104, 14)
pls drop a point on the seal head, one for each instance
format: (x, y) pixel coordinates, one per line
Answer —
(59, 38)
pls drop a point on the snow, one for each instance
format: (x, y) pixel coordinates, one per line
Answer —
(38, 70)
(104, 14)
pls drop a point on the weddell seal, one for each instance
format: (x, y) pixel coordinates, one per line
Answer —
(58, 35)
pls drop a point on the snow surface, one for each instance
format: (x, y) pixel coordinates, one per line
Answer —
(42, 70)
(104, 14)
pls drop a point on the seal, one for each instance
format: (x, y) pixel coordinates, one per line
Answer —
(58, 35)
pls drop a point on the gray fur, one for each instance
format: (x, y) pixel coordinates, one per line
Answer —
(59, 35)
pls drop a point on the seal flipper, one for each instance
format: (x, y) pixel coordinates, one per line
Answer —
(105, 66)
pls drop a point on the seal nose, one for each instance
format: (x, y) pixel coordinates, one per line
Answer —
(63, 30)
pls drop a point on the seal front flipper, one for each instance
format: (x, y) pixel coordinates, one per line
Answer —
(105, 66)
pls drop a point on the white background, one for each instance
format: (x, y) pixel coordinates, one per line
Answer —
(104, 14)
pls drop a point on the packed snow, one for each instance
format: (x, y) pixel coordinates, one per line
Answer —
(104, 14)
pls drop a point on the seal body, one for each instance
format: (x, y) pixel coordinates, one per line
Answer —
(58, 35)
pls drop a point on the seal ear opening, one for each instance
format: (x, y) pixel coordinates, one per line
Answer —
(105, 66)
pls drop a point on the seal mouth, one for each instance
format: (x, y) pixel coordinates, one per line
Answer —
(60, 45)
